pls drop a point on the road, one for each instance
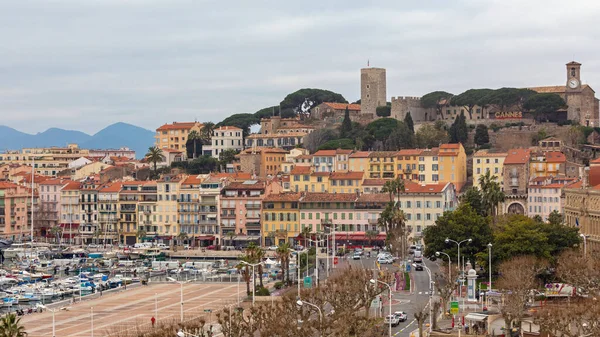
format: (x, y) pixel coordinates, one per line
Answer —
(409, 302)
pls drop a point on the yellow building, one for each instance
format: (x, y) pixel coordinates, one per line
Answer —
(429, 166)
(108, 215)
(345, 182)
(88, 170)
(300, 180)
(174, 136)
(407, 164)
(453, 165)
(359, 161)
(281, 218)
(147, 208)
(546, 164)
(488, 161)
(49, 161)
(166, 207)
(382, 164)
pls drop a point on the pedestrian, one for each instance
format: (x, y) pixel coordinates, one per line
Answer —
(153, 321)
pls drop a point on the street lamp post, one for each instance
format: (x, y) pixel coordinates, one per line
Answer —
(253, 277)
(449, 264)
(316, 242)
(373, 281)
(53, 319)
(431, 289)
(469, 240)
(490, 267)
(180, 294)
(92, 318)
(301, 303)
(584, 244)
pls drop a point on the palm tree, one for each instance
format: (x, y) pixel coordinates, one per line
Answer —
(256, 255)
(194, 137)
(141, 234)
(207, 131)
(491, 193)
(154, 156)
(305, 234)
(271, 236)
(10, 326)
(181, 237)
(284, 252)
(246, 271)
(97, 233)
(231, 235)
(56, 231)
(281, 234)
(370, 235)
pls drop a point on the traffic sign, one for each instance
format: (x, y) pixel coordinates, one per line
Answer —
(454, 307)
(376, 303)
(308, 282)
(335, 260)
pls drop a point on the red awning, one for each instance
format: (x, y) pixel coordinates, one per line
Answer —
(205, 237)
(67, 225)
(358, 236)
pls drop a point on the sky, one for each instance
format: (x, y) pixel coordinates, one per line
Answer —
(85, 64)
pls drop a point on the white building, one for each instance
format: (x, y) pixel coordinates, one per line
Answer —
(546, 195)
(226, 138)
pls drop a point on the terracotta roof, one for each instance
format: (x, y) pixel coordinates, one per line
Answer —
(595, 161)
(554, 185)
(304, 156)
(347, 175)
(55, 182)
(329, 197)
(6, 184)
(171, 150)
(383, 154)
(360, 154)
(320, 174)
(517, 156)
(342, 106)
(257, 185)
(282, 197)
(111, 188)
(374, 197)
(72, 186)
(324, 153)
(277, 135)
(119, 158)
(343, 151)
(227, 127)
(192, 180)
(555, 157)
(410, 152)
(374, 182)
(301, 170)
(264, 149)
(448, 154)
(178, 126)
(450, 146)
(487, 153)
(411, 187)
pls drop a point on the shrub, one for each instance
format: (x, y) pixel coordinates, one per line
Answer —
(495, 127)
(278, 285)
(263, 292)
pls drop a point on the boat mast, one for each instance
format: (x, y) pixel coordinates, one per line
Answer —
(32, 178)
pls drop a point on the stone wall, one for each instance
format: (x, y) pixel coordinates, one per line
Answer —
(403, 104)
(372, 89)
(250, 163)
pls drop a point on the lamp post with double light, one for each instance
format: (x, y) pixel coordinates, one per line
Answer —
(180, 294)
(461, 271)
(301, 303)
(253, 277)
(373, 281)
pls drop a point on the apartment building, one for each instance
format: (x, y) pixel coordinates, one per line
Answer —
(166, 207)
(188, 209)
(582, 211)
(226, 138)
(109, 215)
(453, 165)
(15, 211)
(147, 197)
(279, 132)
(359, 161)
(262, 162)
(49, 215)
(70, 212)
(90, 220)
(240, 204)
(423, 204)
(345, 182)
(295, 157)
(331, 160)
(516, 180)
(128, 210)
(281, 218)
(546, 195)
(407, 164)
(382, 164)
(48, 161)
(487, 161)
(175, 136)
(547, 163)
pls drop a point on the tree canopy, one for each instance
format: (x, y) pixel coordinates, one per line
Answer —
(431, 135)
(383, 111)
(382, 128)
(409, 122)
(243, 121)
(470, 98)
(543, 103)
(433, 99)
(343, 143)
(481, 134)
(459, 132)
(461, 224)
(505, 98)
(296, 102)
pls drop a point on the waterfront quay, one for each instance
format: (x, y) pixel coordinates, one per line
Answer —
(128, 309)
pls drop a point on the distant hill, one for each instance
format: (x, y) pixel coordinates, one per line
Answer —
(113, 136)
(122, 134)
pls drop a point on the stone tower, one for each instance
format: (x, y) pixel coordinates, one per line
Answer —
(372, 90)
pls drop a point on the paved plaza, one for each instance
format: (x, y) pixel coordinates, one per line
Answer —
(128, 309)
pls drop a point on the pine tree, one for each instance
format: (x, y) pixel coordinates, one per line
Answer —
(346, 126)
(459, 132)
(481, 135)
(409, 122)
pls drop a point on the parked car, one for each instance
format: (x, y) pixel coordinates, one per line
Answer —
(187, 247)
(272, 248)
(393, 319)
(411, 249)
(384, 260)
(358, 251)
(356, 256)
(402, 316)
(418, 267)
(299, 247)
(212, 247)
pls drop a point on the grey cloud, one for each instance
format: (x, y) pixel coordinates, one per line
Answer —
(85, 64)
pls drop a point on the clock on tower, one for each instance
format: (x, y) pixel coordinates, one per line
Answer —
(573, 76)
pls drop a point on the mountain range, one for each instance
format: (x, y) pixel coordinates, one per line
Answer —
(111, 137)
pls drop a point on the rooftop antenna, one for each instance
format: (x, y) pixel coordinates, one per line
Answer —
(368, 62)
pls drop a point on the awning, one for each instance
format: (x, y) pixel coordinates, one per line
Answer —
(474, 317)
(246, 238)
(205, 237)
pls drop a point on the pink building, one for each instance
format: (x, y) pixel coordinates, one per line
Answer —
(546, 195)
(49, 210)
(240, 209)
(15, 211)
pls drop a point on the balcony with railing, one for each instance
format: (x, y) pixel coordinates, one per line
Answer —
(227, 225)
(212, 209)
(207, 222)
(252, 206)
(253, 225)
(254, 216)
(128, 209)
(228, 215)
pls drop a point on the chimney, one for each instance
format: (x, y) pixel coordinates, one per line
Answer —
(585, 178)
